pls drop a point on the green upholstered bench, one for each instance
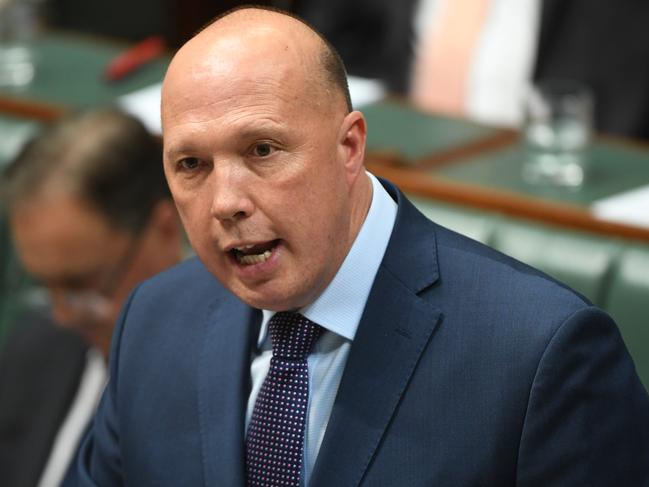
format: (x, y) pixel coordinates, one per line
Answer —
(628, 301)
(612, 273)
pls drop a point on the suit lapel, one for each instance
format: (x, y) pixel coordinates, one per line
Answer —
(393, 332)
(223, 388)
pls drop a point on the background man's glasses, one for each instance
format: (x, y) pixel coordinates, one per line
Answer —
(97, 303)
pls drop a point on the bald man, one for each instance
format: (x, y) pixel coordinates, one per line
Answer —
(328, 334)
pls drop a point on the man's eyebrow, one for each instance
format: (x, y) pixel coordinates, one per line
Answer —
(179, 148)
(260, 129)
(172, 151)
(247, 131)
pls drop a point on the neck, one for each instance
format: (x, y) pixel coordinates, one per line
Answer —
(362, 199)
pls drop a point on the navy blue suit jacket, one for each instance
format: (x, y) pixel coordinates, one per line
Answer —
(468, 369)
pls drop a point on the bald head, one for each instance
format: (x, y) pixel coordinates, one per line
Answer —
(262, 44)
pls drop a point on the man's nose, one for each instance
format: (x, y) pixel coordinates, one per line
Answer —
(231, 200)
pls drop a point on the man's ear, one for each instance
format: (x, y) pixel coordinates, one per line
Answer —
(353, 133)
(164, 233)
(165, 223)
(164, 218)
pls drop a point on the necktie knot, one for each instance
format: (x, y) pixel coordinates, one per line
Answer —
(292, 335)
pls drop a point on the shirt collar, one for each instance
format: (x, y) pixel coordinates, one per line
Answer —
(340, 306)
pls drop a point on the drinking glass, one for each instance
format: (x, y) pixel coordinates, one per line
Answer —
(557, 133)
(19, 23)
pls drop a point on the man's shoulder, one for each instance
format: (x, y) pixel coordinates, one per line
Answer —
(184, 284)
(188, 273)
(461, 269)
(171, 307)
(452, 246)
(486, 276)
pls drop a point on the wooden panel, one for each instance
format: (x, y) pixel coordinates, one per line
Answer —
(430, 186)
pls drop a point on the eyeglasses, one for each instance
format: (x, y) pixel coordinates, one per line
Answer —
(96, 303)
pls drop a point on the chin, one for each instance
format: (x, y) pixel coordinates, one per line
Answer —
(268, 303)
(272, 301)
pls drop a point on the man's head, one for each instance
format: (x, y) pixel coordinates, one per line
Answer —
(91, 215)
(264, 157)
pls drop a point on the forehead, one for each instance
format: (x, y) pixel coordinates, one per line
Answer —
(235, 97)
(238, 107)
(61, 234)
(225, 72)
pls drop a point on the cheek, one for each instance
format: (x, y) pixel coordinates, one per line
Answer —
(194, 214)
(199, 236)
(320, 222)
(188, 193)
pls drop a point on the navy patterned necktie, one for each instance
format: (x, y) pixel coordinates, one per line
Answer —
(275, 440)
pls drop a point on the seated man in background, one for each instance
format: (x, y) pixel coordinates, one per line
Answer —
(91, 215)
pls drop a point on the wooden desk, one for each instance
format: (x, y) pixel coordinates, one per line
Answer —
(484, 170)
(404, 137)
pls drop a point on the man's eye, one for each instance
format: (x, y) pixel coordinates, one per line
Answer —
(263, 150)
(189, 163)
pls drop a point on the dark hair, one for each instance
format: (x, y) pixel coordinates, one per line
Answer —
(106, 157)
(333, 67)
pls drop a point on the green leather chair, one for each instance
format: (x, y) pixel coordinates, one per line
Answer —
(627, 301)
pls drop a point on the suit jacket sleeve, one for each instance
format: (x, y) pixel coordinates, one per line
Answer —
(587, 421)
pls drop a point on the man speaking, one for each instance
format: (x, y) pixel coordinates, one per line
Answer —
(329, 334)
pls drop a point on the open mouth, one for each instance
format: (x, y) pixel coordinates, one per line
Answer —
(254, 254)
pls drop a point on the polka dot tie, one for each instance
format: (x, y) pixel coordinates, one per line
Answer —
(275, 438)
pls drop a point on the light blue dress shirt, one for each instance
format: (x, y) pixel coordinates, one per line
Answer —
(338, 309)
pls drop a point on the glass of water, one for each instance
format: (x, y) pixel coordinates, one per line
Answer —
(557, 133)
(19, 24)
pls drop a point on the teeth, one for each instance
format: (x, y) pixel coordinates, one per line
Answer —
(245, 247)
(253, 259)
